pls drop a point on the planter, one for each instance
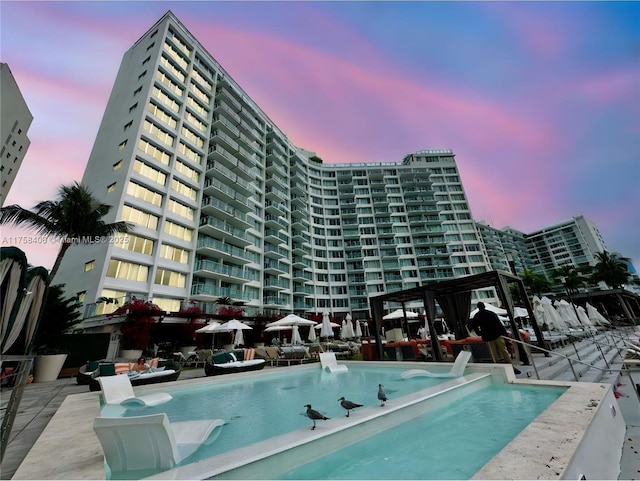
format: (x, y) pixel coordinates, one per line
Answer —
(130, 354)
(47, 367)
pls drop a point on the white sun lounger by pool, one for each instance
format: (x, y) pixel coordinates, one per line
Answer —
(328, 360)
(118, 390)
(143, 443)
(457, 369)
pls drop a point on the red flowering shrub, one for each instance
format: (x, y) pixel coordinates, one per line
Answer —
(136, 329)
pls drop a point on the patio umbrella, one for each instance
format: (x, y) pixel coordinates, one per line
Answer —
(554, 320)
(489, 307)
(211, 328)
(358, 329)
(584, 318)
(595, 316)
(343, 330)
(312, 335)
(332, 326)
(295, 335)
(325, 329)
(400, 314)
(292, 320)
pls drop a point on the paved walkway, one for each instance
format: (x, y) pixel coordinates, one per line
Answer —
(40, 401)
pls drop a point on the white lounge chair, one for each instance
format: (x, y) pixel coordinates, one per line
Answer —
(118, 390)
(144, 443)
(456, 370)
(328, 360)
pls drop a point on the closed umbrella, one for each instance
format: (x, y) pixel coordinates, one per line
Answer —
(595, 316)
(312, 335)
(358, 329)
(326, 330)
(343, 330)
(295, 335)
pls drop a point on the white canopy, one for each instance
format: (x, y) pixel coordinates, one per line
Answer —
(400, 314)
(292, 320)
(498, 310)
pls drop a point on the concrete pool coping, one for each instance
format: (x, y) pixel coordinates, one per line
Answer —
(69, 449)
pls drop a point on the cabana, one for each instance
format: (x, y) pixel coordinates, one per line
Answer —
(454, 297)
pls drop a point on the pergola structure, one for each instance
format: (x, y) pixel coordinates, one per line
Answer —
(454, 297)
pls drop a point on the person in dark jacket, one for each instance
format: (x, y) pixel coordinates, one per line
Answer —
(490, 328)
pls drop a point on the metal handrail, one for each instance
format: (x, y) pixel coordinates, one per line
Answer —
(528, 346)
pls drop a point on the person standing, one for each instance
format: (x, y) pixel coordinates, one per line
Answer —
(490, 328)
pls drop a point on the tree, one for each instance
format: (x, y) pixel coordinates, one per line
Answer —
(74, 217)
(611, 269)
(569, 277)
(59, 316)
(534, 282)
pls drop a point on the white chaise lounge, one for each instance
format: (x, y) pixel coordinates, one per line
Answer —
(118, 390)
(456, 370)
(328, 361)
(144, 443)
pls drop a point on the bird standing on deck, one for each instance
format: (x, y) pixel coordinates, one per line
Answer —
(381, 395)
(314, 415)
(348, 405)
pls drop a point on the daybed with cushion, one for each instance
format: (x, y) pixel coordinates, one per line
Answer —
(232, 362)
(160, 370)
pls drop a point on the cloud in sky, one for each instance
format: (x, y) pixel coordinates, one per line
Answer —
(540, 101)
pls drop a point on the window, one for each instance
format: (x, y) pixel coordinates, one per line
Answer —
(122, 145)
(142, 193)
(127, 270)
(134, 243)
(155, 152)
(174, 254)
(181, 209)
(133, 107)
(166, 277)
(111, 187)
(81, 296)
(183, 189)
(117, 165)
(88, 266)
(131, 214)
(149, 172)
(178, 231)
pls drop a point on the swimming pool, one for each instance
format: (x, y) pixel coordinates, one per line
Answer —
(451, 442)
(265, 419)
(256, 408)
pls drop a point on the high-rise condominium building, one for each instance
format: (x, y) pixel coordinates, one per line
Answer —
(575, 242)
(15, 120)
(225, 206)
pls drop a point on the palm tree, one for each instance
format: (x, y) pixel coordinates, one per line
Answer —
(74, 217)
(536, 283)
(611, 269)
(569, 277)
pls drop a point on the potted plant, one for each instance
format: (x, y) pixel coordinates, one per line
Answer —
(59, 316)
(140, 315)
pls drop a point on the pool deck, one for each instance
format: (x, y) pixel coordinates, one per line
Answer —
(49, 442)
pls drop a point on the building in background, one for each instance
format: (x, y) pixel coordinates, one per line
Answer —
(15, 120)
(226, 208)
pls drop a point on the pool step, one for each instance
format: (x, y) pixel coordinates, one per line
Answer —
(601, 354)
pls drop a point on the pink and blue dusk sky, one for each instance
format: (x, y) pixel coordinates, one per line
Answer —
(540, 101)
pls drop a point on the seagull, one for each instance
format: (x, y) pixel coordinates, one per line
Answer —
(348, 405)
(314, 415)
(381, 395)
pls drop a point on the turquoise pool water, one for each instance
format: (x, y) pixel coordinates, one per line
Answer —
(452, 442)
(270, 404)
